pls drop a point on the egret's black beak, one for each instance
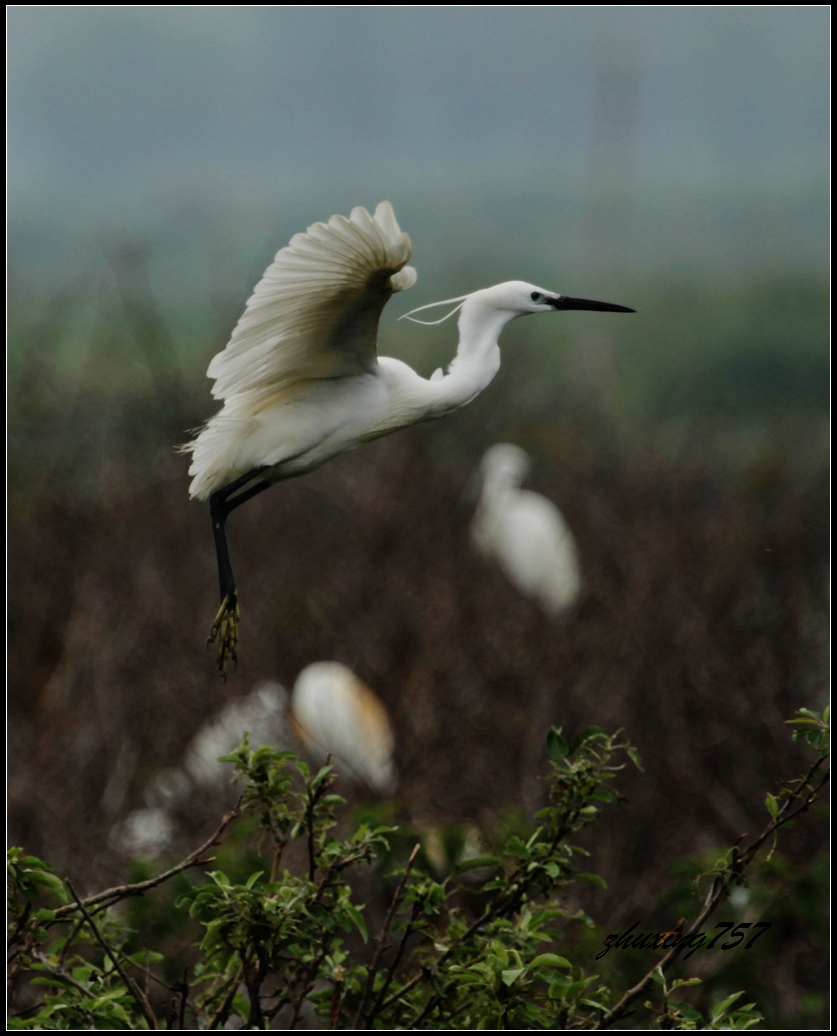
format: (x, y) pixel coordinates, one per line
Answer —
(564, 302)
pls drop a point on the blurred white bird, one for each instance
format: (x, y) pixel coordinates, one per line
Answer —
(525, 533)
(334, 713)
(302, 382)
(261, 714)
(150, 831)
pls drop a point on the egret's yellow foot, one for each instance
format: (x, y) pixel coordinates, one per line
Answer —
(225, 631)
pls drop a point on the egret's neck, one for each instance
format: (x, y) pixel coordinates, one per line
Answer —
(499, 485)
(477, 358)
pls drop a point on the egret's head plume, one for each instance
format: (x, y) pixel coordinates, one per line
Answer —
(430, 305)
(516, 298)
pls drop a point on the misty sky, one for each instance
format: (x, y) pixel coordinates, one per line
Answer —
(711, 123)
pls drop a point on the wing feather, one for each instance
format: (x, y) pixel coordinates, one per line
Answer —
(315, 312)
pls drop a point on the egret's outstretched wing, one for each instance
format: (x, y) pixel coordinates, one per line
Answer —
(315, 312)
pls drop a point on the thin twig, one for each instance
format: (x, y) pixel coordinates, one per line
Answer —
(59, 973)
(71, 938)
(24, 917)
(408, 931)
(719, 889)
(336, 998)
(335, 868)
(429, 1008)
(184, 999)
(254, 985)
(28, 1010)
(124, 891)
(400, 992)
(373, 967)
(17, 956)
(227, 1004)
(310, 978)
(309, 823)
(144, 970)
(141, 1001)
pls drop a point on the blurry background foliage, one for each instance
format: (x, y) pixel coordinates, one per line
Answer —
(671, 159)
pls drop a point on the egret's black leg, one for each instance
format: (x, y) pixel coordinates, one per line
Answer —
(221, 503)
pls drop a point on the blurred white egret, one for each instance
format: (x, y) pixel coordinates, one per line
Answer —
(150, 831)
(261, 714)
(302, 382)
(524, 532)
(144, 833)
(335, 714)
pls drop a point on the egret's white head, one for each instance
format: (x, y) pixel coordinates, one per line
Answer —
(520, 298)
(504, 463)
(515, 299)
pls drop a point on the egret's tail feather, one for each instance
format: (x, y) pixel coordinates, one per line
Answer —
(216, 454)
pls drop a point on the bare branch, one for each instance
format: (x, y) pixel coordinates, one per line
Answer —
(21, 924)
(59, 973)
(720, 887)
(120, 892)
(141, 1001)
(220, 1015)
(373, 967)
(408, 931)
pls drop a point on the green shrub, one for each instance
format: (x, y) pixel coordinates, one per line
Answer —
(288, 946)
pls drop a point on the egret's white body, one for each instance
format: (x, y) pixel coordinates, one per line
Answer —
(525, 533)
(335, 714)
(301, 380)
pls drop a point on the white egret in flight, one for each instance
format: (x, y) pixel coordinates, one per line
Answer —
(525, 533)
(334, 714)
(302, 382)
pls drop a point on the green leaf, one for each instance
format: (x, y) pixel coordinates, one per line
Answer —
(515, 846)
(556, 747)
(251, 881)
(47, 880)
(657, 975)
(585, 735)
(678, 982)
(633, 755)
(574, 988)
(686, 1010)
(549, 960)
(594, 1004)
(143, 956)
(510, 975)
(358, 919)
(720, 1009)
(322, 773)
(558, 987)
(592, 879)
(475, 861)
(772, 805)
